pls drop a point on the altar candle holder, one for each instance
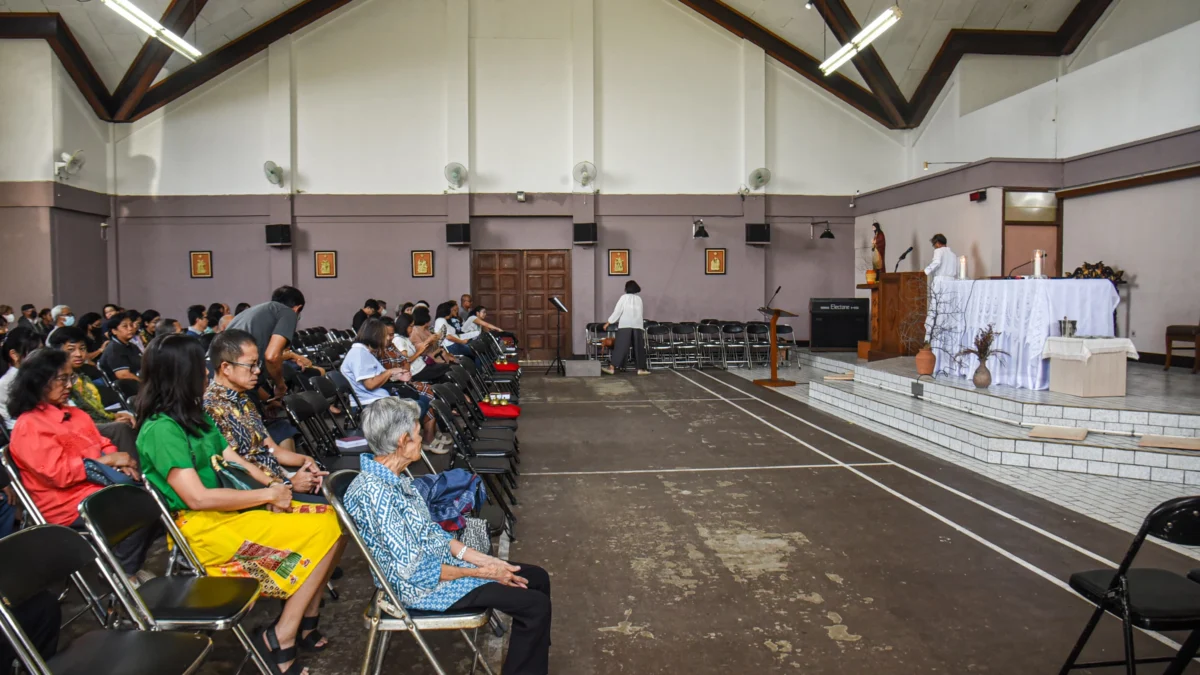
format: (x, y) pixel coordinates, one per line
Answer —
(962, 268)
(1039, 259)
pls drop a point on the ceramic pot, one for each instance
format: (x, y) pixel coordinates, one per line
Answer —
(925, 361)
(871, 276)
(983, 377)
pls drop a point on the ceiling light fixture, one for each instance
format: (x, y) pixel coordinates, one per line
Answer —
(873, 30)
(827, 234)
(929, 164)
(808, 5)
(698, 231)
(153, 28)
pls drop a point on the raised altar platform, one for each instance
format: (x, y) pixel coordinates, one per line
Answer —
(993, 425)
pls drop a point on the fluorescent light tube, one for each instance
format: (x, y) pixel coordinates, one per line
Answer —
(884, 21)
(153, 28)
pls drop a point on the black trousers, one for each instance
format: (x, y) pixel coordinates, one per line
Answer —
(132, 550)
(621, 347)
(39, 617)
(529, 646)
(432, 373)
(122, 435)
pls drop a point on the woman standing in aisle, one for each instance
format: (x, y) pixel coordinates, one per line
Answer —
(630, 328)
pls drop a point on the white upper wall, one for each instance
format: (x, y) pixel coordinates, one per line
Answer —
(1143, 91)
(26, 111)
(76, 127)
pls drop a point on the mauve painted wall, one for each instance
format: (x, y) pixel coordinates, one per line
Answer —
(808, 268)
(374, 261)
(155, 267)
(25, 275)
(669, 266)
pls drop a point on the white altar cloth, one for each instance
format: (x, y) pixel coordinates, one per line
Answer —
(1025, 312)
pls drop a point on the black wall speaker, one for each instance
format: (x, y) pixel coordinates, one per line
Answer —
(458, 234)
(758, 234)
(279, 235)
(585, 233)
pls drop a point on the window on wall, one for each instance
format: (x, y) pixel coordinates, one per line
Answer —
(1031, 221)
(1030, 207)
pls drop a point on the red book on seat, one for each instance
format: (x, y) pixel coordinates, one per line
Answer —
(500, 412)
(507, 367)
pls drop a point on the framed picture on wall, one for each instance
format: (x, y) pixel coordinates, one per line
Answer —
(201, 264)
(618, 262)
(325, 264)
(422, 264)
(714, 261)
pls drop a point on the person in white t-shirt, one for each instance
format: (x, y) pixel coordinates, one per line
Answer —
(453, 343)
(477, 324)
(630, 329)
(422, 371)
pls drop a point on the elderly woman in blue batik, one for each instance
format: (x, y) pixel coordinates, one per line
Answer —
(234, 355)
(427, 568)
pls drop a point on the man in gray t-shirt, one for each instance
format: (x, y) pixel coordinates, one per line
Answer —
(273, 324)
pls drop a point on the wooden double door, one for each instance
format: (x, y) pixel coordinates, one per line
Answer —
(516, 287)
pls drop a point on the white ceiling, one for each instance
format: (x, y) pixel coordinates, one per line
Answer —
(111, 43)
(910, 46)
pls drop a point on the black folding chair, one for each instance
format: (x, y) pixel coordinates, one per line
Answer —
(468, 400)
(386, 614)
(200, 603)
(42, 558)
(496, 472)
(1144, 597)
(353, 407)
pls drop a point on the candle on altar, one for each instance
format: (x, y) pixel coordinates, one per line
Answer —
(962, 267)
(1039, 259)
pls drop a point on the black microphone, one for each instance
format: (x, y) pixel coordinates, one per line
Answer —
(773, 296)
(1018, 267)
(901, 259)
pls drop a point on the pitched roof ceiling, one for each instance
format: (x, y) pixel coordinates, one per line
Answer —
(894, 81)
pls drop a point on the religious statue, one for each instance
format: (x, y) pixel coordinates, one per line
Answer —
(878, 247)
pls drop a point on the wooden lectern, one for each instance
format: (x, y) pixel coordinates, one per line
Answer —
(893, 297)
(775, 381)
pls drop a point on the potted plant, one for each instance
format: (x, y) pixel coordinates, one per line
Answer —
(984, 349)
(928, 326)
(864, 262)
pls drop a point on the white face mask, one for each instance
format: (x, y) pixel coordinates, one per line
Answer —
(10, 318)
(69, 321)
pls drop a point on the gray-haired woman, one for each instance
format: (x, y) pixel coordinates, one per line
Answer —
(630, 330)
(427, 568)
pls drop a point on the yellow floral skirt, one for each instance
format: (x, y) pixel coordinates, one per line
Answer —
(279, 549)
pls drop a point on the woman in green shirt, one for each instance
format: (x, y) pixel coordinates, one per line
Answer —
(290, 547)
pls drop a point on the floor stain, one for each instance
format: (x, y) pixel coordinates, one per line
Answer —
(748, 552)
(840, 633)
(835, 578)
(626, 627)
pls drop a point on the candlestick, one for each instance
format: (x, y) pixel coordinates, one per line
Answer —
(1039, 258)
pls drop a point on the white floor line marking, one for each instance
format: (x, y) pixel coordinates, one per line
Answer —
(648, 400)
(958, 493)
(704, 469)
(934, 514)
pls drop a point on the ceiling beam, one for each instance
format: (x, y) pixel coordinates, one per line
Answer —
(841, 21)
(53, 29)
(229, 55)
(178, 18)
(784, 52)
(961, 42)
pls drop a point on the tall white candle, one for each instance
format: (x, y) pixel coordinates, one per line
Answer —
(962, 267)
(1039, 257)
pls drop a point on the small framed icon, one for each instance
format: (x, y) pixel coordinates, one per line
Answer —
(714, 261)
(325, 264)
(422, 264)
(618, 262)
(201, 264)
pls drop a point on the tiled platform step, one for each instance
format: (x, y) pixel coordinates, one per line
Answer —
(999, 442)
(989, 404)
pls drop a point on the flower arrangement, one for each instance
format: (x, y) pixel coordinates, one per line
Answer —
(984, 349)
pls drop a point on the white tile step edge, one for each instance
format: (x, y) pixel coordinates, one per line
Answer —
(1164, 466)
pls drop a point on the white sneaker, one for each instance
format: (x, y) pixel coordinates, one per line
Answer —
(643, 372)
(439, 446)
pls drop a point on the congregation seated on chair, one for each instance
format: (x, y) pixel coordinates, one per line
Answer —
(178, 444)
(430, 570)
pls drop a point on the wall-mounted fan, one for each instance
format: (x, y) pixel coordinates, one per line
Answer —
(68, 164)
(759, 178)
(584, 173)
(274, 173)
(456, 175)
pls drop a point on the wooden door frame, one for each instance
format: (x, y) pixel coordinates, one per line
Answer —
(566, 332)
(1004, 223)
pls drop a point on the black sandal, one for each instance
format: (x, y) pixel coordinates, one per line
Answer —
(309, 642)
(276, 654)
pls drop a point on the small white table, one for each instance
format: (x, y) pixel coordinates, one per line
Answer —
(1088, 366)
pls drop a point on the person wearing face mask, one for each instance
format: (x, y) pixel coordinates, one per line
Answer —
(28, 317)
(3, 326)
(90, 325)
(6, 313)
(62, 316)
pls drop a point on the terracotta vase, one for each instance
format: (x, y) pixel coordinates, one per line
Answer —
(983, 377)
(925, 361)
(871, 276)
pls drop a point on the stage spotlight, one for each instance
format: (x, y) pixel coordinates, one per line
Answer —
(698, 231)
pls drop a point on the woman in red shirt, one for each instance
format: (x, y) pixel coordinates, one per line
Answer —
(50, 441)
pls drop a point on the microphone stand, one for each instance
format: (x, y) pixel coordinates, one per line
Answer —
(901, 259)
(1018, 267)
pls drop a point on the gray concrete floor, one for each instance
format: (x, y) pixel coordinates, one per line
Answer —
(691, 529)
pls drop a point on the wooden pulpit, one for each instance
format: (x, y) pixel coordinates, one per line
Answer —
(894, 297)
(775, 381)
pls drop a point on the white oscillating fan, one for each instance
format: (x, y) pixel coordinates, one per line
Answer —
(584, 173)
(759, 178)
(69, 164)
(456, 175)
(273, 172)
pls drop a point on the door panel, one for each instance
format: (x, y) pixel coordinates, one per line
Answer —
(1021, 240)
(516, 287)
(80, 260)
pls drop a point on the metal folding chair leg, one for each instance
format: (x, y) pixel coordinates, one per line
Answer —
(479, 658)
